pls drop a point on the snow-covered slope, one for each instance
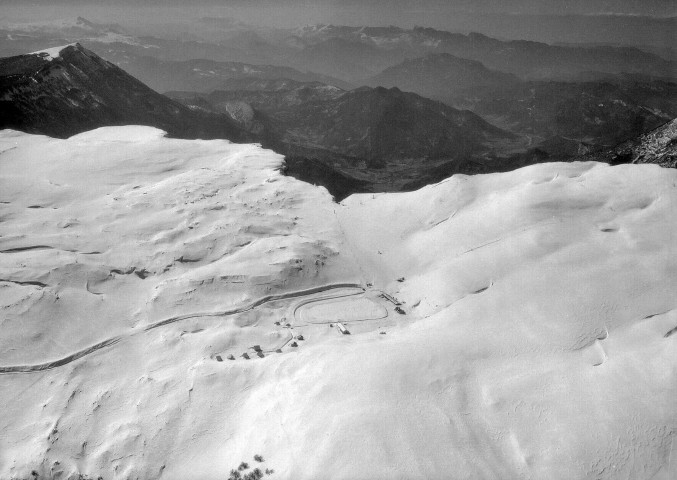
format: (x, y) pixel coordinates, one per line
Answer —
(52, 53)
(535, 340)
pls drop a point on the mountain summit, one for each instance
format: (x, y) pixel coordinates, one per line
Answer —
(66, 90)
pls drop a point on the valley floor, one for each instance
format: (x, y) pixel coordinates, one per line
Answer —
(172, 308)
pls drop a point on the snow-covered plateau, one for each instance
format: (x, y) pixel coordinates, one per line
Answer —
(171, 308)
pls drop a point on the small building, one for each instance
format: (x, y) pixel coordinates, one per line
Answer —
(390, 298)
(342, 328)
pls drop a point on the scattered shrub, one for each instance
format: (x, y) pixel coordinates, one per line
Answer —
(255, 474)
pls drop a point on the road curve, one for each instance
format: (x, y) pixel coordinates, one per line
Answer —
(309, 301)
(40, 367)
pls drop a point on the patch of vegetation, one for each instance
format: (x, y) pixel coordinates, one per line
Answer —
(255, 474)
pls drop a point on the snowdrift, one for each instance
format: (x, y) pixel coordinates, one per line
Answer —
(170, 309)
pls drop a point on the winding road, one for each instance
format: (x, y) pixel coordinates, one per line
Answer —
(118, 338)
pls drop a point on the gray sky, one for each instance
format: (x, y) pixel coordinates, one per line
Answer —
(487, 16)
(643, 7)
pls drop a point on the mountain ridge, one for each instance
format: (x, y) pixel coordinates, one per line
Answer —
(440, 76)
(526, 59)
(77, 90)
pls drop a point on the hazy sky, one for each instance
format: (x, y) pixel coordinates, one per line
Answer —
(486, 16)
(644, 7)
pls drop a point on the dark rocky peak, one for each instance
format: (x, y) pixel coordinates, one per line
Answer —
(66, 90)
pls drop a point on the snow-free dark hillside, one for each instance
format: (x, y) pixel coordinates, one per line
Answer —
(367, 139)
(378, 124)
(561, 116)
(67, 90)
(658, 147)
(374, 125)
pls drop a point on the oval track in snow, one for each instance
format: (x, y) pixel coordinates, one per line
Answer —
(116, 339)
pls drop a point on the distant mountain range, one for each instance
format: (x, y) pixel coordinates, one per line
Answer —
(344, 57)
(350, 140)
(370, 126)
(526, 59)
(207, 75)
(351, 54)
(560, 118)
(353, 134)
(63, 91)
(441, 76)
(375, 138)
(596, 114)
